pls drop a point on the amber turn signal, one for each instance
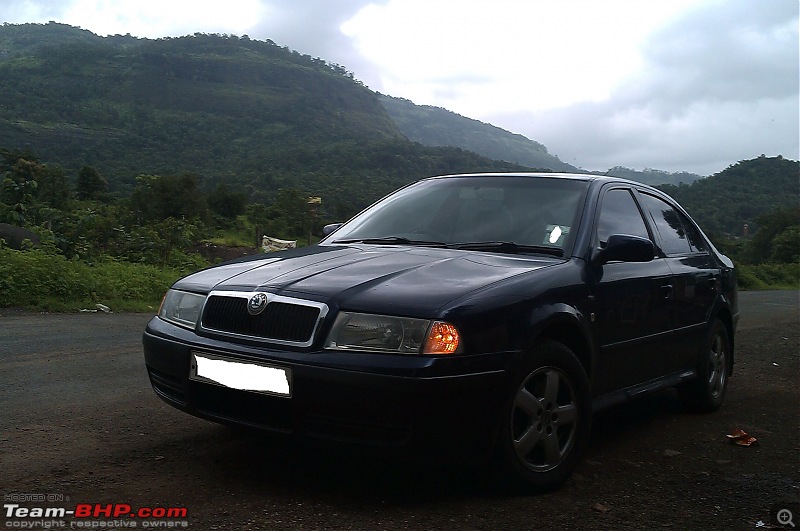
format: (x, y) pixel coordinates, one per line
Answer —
(443, 338)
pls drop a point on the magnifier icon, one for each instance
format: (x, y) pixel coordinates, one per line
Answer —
(785, 517)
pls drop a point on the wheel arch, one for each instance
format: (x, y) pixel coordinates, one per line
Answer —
(566, 325)
(724, 315)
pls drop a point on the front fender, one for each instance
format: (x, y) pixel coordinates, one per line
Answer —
(563, 323)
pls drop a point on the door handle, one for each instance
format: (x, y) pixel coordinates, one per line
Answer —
(712, 280)
(666, 291)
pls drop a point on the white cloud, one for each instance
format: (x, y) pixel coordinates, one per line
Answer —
(142, 18)
(312, 27)
(483, 57)
(16, 11)
(717, 85)
(701, 137)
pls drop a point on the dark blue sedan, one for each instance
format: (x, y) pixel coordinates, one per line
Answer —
(484, 316)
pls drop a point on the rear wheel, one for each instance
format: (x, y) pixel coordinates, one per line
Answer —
(546, 420)
(707, 392)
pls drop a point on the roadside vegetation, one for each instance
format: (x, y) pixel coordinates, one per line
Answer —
(750, 211)
(124, 251)
(44, 280)
(134, 161)
(93, 247)
(770, 258)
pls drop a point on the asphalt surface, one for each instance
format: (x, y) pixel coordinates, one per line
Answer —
(80, 424)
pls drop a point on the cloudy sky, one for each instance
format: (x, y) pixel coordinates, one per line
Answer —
(677, 85)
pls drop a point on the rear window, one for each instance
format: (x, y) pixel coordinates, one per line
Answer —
(674, 238)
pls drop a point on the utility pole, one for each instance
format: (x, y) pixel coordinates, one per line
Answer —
(313, 204)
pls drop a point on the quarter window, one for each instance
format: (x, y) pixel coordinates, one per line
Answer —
(695, 239)
(619, 215)
(673, 235)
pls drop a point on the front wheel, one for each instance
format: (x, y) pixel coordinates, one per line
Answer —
(707, 392)
(546, 419)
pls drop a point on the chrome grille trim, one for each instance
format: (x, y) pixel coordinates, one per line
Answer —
(244, 296)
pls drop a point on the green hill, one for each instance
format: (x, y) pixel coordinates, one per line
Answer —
(260, 117)
(250, 113)
(651, 176)
(434, 126)
(724, 202)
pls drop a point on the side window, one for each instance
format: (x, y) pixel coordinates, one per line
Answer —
(695, 239)
(619, 215)
(673, 236)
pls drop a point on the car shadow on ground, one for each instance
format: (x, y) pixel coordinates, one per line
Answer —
(633, 419)
(236, 459)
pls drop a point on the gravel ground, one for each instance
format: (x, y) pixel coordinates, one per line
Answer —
(81, 424)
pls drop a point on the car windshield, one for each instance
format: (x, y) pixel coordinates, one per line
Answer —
(513, 214)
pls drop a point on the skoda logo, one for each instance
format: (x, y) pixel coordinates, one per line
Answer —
(257, 303)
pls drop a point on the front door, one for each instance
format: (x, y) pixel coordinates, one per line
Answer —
(633, 302)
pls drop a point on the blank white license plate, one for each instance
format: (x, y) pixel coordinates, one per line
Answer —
(241, 375)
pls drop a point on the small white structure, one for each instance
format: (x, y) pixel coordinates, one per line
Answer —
(269, 244)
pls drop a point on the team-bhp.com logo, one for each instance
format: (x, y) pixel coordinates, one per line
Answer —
(86, 514)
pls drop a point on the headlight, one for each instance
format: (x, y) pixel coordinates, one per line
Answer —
(384, 333)
(181, 308)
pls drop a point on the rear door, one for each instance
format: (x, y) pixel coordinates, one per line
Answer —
(695, 275)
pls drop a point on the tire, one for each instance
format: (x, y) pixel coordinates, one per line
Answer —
(545, 422)
(707, 392)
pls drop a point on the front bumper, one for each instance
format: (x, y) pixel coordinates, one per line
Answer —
(426, 403)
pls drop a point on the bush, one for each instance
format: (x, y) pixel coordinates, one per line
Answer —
(44, 280)
(768, 276)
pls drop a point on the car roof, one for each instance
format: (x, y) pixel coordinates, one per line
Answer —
(572, 176)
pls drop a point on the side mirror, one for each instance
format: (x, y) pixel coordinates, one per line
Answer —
(625, 248)
(327, 229)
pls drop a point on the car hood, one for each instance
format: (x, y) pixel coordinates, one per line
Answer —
(387, 279)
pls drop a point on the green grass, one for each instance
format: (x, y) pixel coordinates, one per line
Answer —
(231, 240)
(41, 280)
(241, 234)
(768, 276)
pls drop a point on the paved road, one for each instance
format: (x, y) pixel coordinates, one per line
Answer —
(78, 420)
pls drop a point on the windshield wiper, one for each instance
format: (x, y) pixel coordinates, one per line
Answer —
(507, 247)
(493, 246)
(392, 240)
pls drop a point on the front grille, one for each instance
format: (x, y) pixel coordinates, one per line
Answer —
(284, 320)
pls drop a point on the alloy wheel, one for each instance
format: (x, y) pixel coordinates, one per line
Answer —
(544, 420)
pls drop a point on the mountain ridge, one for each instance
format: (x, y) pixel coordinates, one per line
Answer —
(255, 115)
(436, 126)
(94, 97)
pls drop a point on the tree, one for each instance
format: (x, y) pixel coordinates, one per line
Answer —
(777, 232)
(54, 189)
(286, 217)
(10, 157)
(227, 203)
(157, 198)
(786, 246)
(19, 189)
(15, 198)
(288, 212)
(90, 185)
